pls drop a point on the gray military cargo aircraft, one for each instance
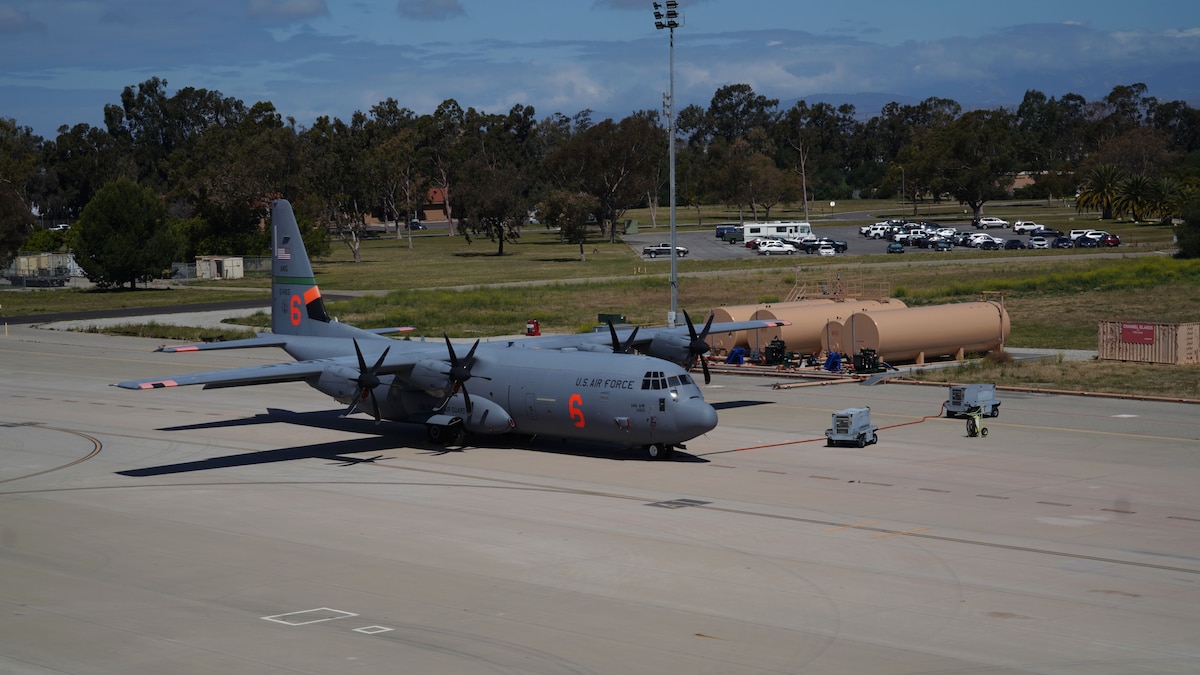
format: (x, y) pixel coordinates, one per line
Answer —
(585, 386)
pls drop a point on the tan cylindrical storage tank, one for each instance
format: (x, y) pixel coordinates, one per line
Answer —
(808, 322)
(922, 333)
(831, 337)
(723, 342)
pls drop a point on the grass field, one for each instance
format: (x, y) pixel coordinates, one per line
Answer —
(443, 284)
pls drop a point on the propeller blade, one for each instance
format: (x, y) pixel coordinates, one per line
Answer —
(697, 348)
(367, 381)
(617, 347)
(460, 372)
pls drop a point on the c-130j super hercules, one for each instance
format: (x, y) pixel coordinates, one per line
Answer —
(585, 386)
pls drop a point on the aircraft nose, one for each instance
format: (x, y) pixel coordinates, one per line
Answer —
(696, 416)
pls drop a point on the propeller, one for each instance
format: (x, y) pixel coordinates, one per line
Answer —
(460, 372)
(617, 347)
(697, 348)
(367, 380)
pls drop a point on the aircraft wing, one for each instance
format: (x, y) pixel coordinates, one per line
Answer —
(237, 377)
(645, 335)
(394, 363)
(264, 340)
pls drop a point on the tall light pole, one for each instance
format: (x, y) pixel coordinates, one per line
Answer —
(666, 15)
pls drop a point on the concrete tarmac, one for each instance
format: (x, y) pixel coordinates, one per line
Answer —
(251, 530)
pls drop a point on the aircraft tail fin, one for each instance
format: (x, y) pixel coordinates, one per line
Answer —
(296, 304)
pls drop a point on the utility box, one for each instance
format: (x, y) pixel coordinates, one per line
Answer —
(966, 397)
(852, 426)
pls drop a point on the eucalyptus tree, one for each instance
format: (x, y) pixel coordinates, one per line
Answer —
(1180, 122)
(440, 133)
(151, 125)
(20, 160)
(615, 162)
(398, 162)
(336, 153)
(498, 175)
(817, 142)
(231, 175)
(82, 158)
(568, 211)
(977, 159)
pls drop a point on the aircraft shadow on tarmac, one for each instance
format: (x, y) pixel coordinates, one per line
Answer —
(383, 437)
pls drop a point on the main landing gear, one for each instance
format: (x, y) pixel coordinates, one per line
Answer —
(447, 434)
(660, 451)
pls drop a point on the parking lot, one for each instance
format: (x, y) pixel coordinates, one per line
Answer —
(704, 245)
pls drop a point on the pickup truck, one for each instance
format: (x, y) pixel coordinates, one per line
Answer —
(656, 250)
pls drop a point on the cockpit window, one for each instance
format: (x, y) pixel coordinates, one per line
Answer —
(654, 380)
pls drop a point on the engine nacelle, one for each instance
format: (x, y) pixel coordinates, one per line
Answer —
(338, 382)
(432, 377)
(486, 416)
(671, 348)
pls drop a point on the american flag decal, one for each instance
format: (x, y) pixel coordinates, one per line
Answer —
(282, 253)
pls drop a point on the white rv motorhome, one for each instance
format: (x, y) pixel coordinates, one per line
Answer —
(780, 229)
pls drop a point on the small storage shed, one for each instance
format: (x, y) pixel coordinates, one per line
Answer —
(1176, 344)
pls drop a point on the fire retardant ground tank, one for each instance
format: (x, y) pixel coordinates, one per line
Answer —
(807, 328)
(723, 342)
(918, 334)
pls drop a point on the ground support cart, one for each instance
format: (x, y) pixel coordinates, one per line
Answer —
(852, 426)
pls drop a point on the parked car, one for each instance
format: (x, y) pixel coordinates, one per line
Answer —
(826, 249)
(1110, 240)
(1025, 226)
(942, 245)
(811, 245)
(988, 222)
(415, 224)
(775, 248)
(895, 247)
(1013, 244)
(977, 240)
(1046, 232)
(1062, 242)
(1086, 242)
(1038, 241)
(989, 245)
(656, 250)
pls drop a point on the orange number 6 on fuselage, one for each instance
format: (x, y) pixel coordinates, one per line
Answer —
(574, 409)
(294, 313)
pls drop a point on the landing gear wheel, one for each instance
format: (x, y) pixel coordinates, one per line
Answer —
(437, 433)
(660, 451)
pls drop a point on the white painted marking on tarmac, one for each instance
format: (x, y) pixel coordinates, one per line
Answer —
(1125, 416)
(372, 630)
(309, 616)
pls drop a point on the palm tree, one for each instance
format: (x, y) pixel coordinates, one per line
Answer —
(1169, 196)
(1100, 191)
(1134, 197)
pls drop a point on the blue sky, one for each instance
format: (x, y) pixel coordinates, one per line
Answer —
(61, 61)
